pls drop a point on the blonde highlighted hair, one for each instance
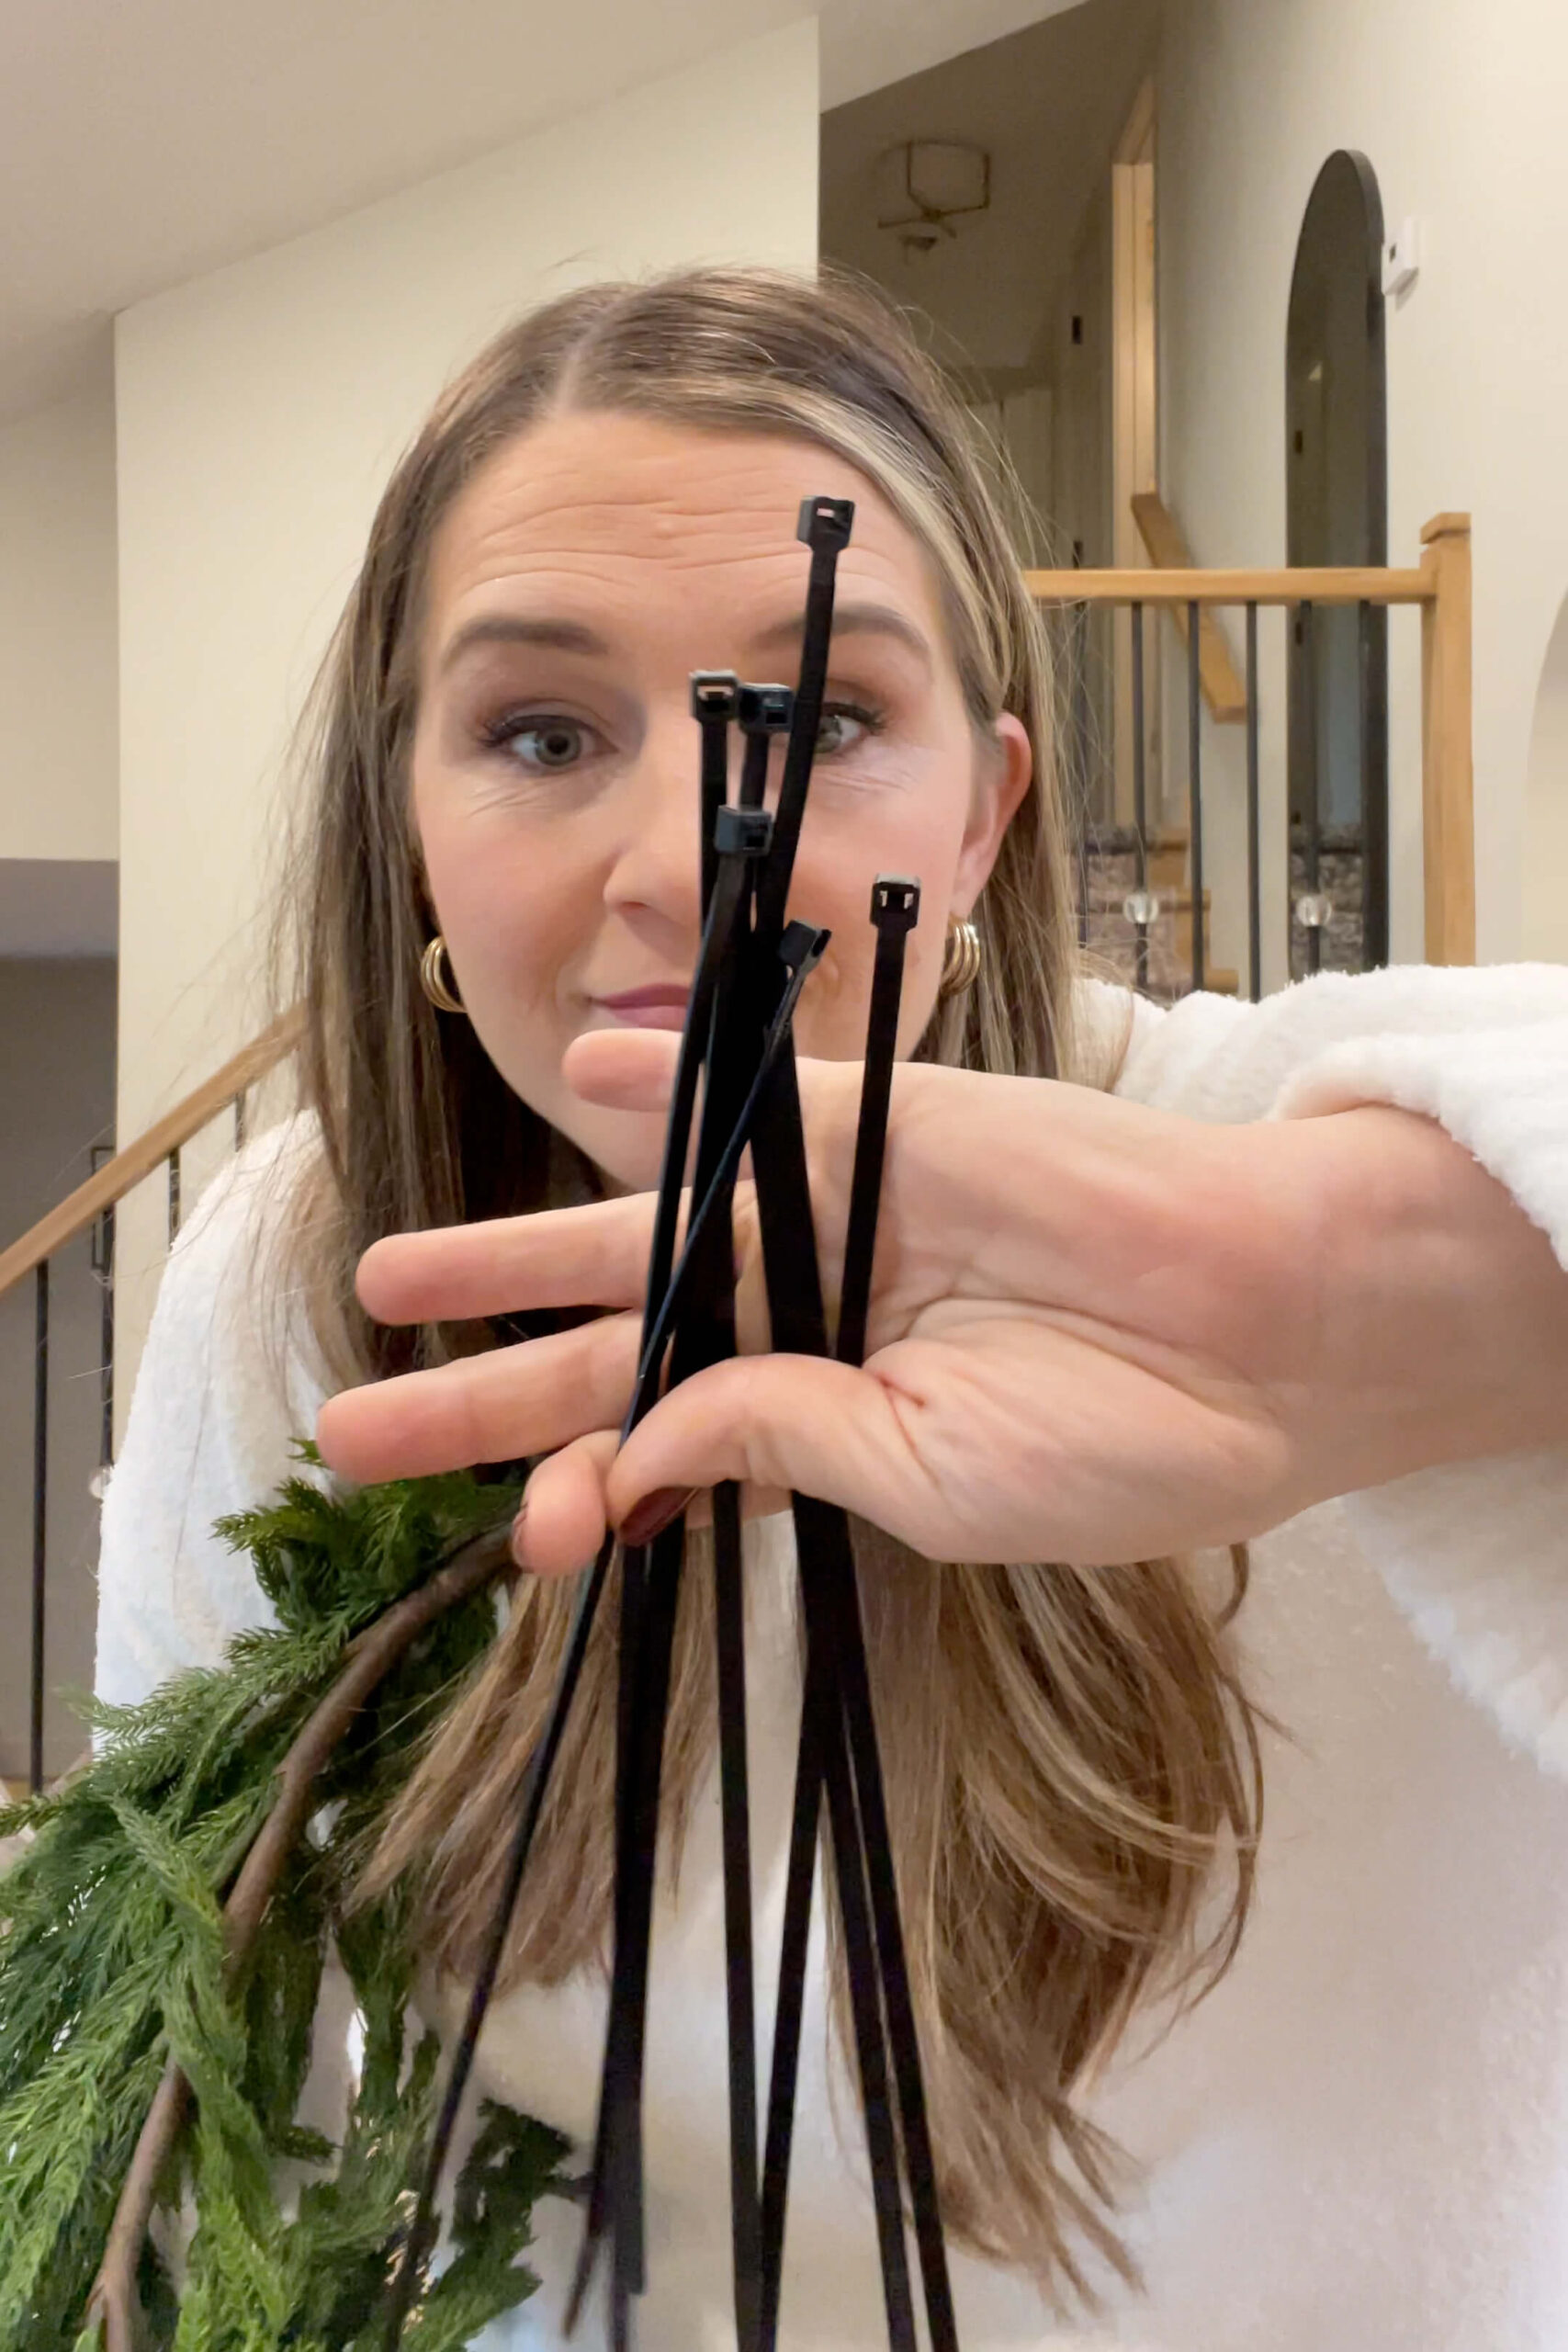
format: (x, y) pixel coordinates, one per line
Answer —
(1072, 1765)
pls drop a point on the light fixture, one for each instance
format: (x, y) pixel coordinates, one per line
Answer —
(926, 184)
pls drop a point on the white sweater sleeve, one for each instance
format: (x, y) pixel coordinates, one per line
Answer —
(221, 1394)
(1476, 1553)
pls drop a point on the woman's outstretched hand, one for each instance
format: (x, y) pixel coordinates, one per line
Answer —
(1098, 1332)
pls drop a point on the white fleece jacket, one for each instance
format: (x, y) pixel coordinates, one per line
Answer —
(1360, 2143)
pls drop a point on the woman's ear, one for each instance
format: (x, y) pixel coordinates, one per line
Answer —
(1004, 768)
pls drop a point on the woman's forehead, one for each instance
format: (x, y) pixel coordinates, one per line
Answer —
(594, 500)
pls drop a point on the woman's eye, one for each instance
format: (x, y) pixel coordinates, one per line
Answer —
(844, 725)
(545, 743)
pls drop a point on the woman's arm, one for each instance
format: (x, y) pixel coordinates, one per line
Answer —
(1101, 1327)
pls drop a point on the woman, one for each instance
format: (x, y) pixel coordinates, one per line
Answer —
(1117, 1319)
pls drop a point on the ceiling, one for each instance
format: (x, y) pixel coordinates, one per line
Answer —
(145, 141)
(1047, 103)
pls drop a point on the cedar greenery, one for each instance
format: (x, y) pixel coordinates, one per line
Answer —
(114, 1967)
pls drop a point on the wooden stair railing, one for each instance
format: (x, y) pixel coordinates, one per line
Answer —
(1163, 535)
(109, 1183)
(92, 1206)
(1440, 587)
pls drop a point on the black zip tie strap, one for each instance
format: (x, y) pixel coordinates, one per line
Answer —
(739, 1047)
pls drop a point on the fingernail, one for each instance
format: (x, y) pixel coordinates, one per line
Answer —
(653, 1514)
(515, 1540)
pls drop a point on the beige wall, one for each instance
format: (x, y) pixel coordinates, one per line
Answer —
(1461, 112)
(259, 410)
(58, 716)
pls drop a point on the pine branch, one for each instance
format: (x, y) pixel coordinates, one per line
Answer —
(369, 1658)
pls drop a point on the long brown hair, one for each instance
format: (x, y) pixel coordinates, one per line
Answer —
(1072, 1765)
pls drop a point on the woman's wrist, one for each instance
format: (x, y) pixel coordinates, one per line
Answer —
(1441, 1323)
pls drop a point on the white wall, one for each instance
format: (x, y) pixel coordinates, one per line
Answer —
(1546, 805)
(1460, 109)
(58, 716)
(259, 410)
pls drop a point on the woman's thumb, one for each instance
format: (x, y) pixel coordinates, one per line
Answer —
(776, 1422)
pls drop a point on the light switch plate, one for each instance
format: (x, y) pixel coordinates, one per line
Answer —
(1402, 258)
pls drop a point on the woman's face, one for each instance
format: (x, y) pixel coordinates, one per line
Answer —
(582, 576)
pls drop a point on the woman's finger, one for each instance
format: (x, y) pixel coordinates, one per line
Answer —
(562, 1522)
(779, 1423)
(514, 1401)
(592, 1256)
(564, 1513)
(634, 1069)
(622, 1070)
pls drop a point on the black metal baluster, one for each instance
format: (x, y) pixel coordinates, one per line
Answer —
(1308, 907)
(1373, 677)
(1253, 856)
(1195, 789)
(103, 1266)
(174, 1195)
(1363, 780)
(41, 1527)
(1142, 913)
(1078, 798)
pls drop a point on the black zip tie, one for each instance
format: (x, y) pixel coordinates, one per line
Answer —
(895, 910)
(614, 2200)
(738, 1028)
(421, 2236)
(764, 712)
(834, 1633)
(824, 524)
(741, 2002)
(716, 695)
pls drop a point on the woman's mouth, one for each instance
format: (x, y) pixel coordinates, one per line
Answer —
(662, 1007)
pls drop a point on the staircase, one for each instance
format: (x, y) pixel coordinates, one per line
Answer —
(1108, 877)
(90, 1211)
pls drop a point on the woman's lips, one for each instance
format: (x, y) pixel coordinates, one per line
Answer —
(651, 1008)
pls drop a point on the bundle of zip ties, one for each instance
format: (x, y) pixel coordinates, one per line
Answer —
(739, 1041)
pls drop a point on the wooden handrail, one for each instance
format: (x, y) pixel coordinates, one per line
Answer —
(82, 1208)
(1336, 584)
(1441, 587)
(1448, 778)
(1166, 541)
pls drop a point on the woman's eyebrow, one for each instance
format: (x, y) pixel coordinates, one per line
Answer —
(851, 620)
(513, 628)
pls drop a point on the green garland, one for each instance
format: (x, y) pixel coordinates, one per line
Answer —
(117, 1966)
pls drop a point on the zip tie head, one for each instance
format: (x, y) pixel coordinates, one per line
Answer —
(826, 523)
(716, 695)
(765, 711)
(742, 832)
(802, 946)
(895, 902)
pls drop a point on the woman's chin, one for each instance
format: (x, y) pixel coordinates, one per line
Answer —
(627, 1148)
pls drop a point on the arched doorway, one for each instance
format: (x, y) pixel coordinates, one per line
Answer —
(1337, 513)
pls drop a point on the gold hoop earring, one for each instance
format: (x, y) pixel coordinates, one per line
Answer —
(434, 968)
(961, 961)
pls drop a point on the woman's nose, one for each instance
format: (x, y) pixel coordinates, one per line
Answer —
(657, 862)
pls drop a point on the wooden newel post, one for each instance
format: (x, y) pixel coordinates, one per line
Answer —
(1448, 784)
